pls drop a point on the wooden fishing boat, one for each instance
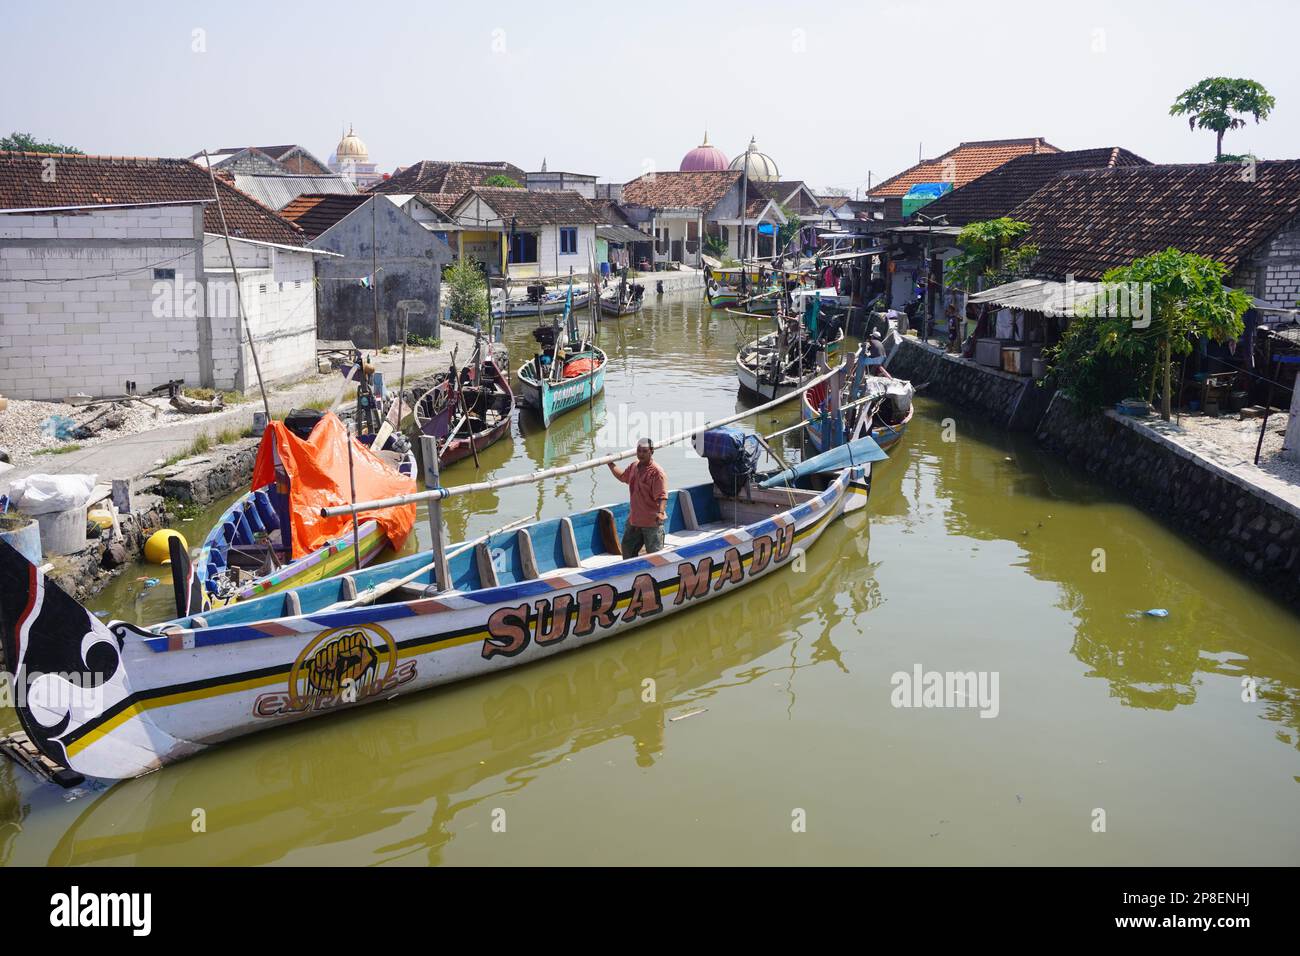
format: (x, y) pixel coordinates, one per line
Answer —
(568, 371)
(782, 362)
(162, 693)
(548, 303)
(622, 299)
(581, 376)
(721, 296)
(878, 405)
(252, 549)
(469, 411)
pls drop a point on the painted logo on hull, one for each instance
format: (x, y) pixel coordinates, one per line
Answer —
(548, 621)
(340, 666)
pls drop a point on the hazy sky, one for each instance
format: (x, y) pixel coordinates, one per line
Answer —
(832, 91)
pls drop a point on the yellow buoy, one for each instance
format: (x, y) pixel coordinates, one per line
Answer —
(156, 548)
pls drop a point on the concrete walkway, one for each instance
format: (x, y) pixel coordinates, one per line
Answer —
(133, 456)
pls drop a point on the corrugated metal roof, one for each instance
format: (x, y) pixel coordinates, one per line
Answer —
(1039, 295)
(278, 191)
(622, 234)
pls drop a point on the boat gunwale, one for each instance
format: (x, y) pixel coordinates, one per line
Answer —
(174, 637)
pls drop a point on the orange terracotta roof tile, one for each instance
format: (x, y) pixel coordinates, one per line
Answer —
(678, 190)
(961, 164)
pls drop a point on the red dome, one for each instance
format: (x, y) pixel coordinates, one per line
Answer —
(703, 159)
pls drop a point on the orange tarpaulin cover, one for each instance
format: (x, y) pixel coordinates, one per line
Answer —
(578, 367)
(318, 478)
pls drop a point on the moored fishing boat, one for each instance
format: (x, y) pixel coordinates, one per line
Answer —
(468, 409)
(622, 299)
(539, 303)
(271, 539)
(782, 362)
(178, 688)
(878, 405)
(510, 597)
(568, 371)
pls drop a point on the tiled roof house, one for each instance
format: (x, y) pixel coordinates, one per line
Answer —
(1245, 217)
(121, 274)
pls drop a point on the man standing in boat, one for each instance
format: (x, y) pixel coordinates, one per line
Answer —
(648, 489)
(876, 352)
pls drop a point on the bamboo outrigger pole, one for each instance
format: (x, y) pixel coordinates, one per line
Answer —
(437, 494)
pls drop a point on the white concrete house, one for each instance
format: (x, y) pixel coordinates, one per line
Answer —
(527, 234)
(116, 270)
(677, 208)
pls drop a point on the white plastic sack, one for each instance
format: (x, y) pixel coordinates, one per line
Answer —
(45, 494)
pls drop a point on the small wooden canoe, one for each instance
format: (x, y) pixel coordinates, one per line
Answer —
(769, 367)
(470, 416)
(248, 552)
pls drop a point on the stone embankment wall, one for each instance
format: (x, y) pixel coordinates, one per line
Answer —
(1013, 401)
(1230, 517)
(216, 474)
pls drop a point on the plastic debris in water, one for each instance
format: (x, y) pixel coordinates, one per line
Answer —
(150, 582)
(1157, 612)
(101, 614)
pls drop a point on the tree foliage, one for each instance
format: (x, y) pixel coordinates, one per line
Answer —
(1184, 298)
(27, 143)
(715, 246)
(501, 180)
(468, 292)
(1221, 104)
(988, 252)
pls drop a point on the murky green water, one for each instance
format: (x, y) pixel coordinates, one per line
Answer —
(979, 555)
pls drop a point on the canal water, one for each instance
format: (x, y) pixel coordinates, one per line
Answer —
(773, 735)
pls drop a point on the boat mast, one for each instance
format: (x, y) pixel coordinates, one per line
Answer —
(239, 295)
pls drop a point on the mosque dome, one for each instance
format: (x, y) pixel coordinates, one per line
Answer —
(704, 158)
(760, 166)
(351, 147)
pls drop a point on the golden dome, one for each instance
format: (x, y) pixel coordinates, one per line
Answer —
(351, 147)
(760, 166)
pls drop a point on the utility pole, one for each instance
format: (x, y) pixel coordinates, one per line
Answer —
(374, 270)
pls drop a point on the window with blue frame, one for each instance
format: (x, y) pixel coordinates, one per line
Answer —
(568, 240)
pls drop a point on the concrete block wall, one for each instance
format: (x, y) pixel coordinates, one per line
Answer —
(279, 297)
(1280, 263)
(1224, 512)
(281, 307)
(996, 395)
(80, 309)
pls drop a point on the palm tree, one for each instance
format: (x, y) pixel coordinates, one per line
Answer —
(1212, 103)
